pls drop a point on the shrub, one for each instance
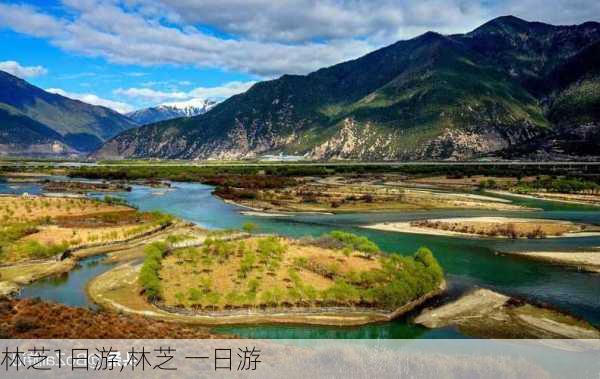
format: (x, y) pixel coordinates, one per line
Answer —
(35, 250)
(425, 256)
(194, 294)
(247, 264)
(355, 242)
(341, 293)
(149, 274)
(249, 227)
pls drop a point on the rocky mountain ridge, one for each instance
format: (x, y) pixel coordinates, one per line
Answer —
(483, 93)
(169, 111)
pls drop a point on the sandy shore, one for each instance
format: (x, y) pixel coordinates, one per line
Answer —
(17, 275)
(13, 276)
(263, 214)
(488, 314)
(586, 261)
(546, 197)
(260, 212)
(406, 227)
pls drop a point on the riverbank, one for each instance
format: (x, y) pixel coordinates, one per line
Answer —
(16, 275)
(564, 198)
(118, 290)
(487, 314)
(351, 195)
(261, 212)
(72, 186)
(51, 234)
(584, 261)
(490, 227)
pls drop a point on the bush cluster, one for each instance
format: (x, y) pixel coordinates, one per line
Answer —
(149, 277)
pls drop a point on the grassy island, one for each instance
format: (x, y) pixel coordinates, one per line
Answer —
(355, 194)
(492, 227)
(339, 278)
(41, 236)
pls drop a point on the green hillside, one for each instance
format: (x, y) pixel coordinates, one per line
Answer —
(19, 134)
(431, 97)
(83, 126)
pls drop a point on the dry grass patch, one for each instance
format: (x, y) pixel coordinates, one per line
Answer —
(348, 195)
(44, 227)
(339, 269)
(30, 208)
(503, 227)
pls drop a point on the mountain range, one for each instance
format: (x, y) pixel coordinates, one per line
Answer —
(36, 122)
(168, 111)
(510, 88)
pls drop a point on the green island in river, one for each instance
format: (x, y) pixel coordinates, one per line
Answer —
(337, 279)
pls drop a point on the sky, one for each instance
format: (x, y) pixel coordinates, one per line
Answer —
(130, 54)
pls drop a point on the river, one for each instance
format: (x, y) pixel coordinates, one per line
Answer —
(468, 262)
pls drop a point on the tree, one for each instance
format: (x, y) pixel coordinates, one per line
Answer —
(353, 241)
(249, 227)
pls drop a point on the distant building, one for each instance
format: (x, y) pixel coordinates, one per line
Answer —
(282, 158)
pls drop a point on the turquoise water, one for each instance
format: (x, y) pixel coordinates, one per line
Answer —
(467, 262)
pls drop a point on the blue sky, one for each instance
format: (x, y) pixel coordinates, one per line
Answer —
(128, 54)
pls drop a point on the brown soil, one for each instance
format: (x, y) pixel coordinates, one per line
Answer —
(104, 219)
(26, 318)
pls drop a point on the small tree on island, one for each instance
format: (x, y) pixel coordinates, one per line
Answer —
(249, 227)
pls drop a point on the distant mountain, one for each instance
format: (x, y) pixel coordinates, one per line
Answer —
(20, 135)
(169, 111)
(573, 107)
(82, 127)
(490, 91)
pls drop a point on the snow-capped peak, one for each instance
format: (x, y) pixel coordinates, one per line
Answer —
(192, 103)
(166, 111)
(189, 108)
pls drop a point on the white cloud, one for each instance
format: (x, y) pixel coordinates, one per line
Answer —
(27, 20)
(14, 68)
(104, 29)
(90, 98)
(148, 94)
(263, 37)
(558, 12)
(216, 93)
(221, 92)
(302, 20)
